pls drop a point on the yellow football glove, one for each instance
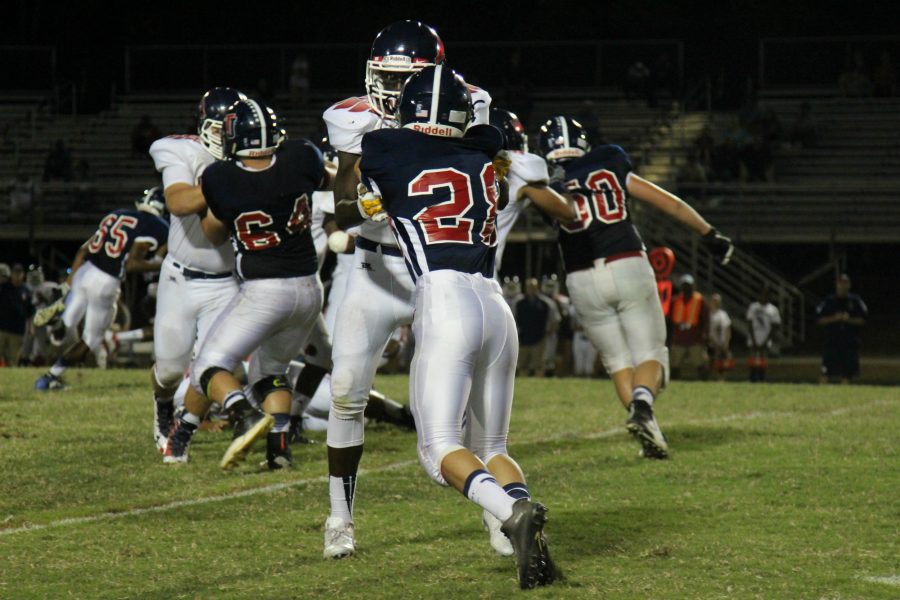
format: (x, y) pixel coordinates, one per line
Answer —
(502, 163)
(369, 204)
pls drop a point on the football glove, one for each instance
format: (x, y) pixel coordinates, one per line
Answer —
(502, 163)
(720, 245)
(369, 204)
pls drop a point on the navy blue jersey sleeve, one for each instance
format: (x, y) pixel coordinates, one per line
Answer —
(858, 308)
(623, 162)
(372, 162)
(315, 163)
(207, 186)
(826, 308)
(153, 231)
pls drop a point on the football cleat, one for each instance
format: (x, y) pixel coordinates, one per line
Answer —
(258, 424)
(176, 450)
(278, 451)
(296, 435)
(499, 542)
(642, 426)
(163, 423)
(525, 530)
(48, 313)
(49, 382)
(339, 540)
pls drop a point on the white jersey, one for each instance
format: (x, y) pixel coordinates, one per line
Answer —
(762, 317)
(182, 159)
(349, 120)
(526, 168)
(322, 202)
(719, 323)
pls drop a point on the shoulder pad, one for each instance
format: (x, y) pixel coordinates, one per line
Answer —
(177, 149)
(531, 168)
(347, 121)
(481, 104)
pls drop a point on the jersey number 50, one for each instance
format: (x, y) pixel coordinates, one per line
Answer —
(606, 203)
(444, 222)
(112, 232)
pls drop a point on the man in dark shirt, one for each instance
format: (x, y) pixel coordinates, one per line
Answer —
(15, 308)
(842, 314)
(536, 316)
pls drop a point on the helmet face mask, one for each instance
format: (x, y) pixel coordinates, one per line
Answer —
(399, 50)
(210, 113)
(153, 201)
(562, 138)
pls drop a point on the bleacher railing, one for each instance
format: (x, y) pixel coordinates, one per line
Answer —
(552, 63)
(818, 61)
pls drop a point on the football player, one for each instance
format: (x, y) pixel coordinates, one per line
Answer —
(609, 278)
(196, 280)
(436, 180)
(528, 180)
(260, 198)
(124, 243)
(379, 294)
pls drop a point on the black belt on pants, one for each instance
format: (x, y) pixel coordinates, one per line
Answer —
(371, 246)
(192, 274)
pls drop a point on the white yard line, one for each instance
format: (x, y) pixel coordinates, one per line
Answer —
(889, 580)
(107, 516)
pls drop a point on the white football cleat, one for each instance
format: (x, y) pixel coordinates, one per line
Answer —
(499, 542)
(339, 540)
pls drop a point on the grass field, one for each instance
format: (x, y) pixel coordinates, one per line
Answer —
(773, 492)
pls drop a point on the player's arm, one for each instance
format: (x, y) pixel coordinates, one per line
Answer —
(503, 199)
(183, 199)
(329, 177)
(138, 262)
(346, 211)
(681, 211)
(549, 201)
(214, 230)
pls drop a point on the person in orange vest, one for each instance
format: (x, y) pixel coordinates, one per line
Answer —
(662, 259)
(689, 318)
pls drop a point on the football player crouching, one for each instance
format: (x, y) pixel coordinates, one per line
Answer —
(259, 198)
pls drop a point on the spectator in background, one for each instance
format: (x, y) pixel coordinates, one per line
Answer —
(298, 81)
(512, 291)
(689, 320)
(15, 310)
(719, 338)
(764, 321)
(854, 80)
(843, 315)
(691, 179)
(144, 133)
(24, 192)
(884, 78)
(584, 355)
(804, 131)
(638, 83)
(536, 317)
(558, 348)
(58, 164)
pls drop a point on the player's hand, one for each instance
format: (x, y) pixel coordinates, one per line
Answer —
(369, 205)
(720, 245)
(502, 162)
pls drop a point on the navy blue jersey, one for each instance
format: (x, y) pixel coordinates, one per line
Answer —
(267, 212)
(596, 183)
(118, 231)
(441, 195)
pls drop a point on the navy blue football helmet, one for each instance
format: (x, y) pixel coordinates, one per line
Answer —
(213, 106)
(250, 129)
(449, 116)
(153, 201)
(512, 128)
(399, 50)
(562, 138)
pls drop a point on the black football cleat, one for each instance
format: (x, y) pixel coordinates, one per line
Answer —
(642, 426)
(525, 530)
(278, 451)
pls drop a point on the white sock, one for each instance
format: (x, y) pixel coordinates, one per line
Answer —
(342, 490)
(482, 489)
(135, 335)
(642, 393)
(57, 369)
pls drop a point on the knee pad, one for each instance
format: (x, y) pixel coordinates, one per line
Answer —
(432, 455)
(202, 383)
(267, 385)
(344, 402)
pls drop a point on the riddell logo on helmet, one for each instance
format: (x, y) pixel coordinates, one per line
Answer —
(434, 129)
(396, 60)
